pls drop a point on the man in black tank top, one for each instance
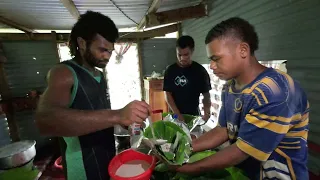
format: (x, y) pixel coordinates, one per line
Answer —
(76, 105)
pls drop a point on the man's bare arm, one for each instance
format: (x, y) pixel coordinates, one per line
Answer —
(53, 117)
(172, 105)
(212, 139)
(227, 157)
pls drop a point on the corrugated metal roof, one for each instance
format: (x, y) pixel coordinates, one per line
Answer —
(37, 14)
(52, 15)
(176, 4)
(134, 9)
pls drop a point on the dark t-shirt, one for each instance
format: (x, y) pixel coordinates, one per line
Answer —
(186, 84)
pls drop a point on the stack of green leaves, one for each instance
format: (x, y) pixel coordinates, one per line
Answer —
(177, 149)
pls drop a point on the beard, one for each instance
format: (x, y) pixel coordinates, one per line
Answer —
(94, 62)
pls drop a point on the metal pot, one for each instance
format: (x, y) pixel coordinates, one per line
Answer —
(17, 154)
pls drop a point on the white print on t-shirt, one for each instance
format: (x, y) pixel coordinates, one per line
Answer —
(232, 128)
(181, 80)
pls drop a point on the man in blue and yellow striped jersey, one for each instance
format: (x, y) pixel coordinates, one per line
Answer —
(265, 113)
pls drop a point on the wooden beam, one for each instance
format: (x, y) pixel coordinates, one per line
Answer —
(176, 15)
(15, 25)
(152, 9)
(63, 37)
(153, 33)
(71, 8)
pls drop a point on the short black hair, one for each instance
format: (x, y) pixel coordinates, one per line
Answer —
(185, 41)
(237, 28)
(88, 26)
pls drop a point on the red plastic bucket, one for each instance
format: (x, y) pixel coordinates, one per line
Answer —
(130, 155)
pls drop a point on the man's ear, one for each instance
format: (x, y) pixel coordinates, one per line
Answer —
(244, 50)
(81, 43)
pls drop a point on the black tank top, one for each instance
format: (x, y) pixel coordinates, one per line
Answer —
(97, 148)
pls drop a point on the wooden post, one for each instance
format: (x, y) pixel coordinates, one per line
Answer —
(179, 34)
(139, 48)
(55, 45)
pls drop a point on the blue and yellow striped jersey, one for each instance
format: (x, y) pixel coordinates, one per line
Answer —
(268, 119)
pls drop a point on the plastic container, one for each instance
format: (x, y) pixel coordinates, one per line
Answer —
(135, 135)
(130, 155)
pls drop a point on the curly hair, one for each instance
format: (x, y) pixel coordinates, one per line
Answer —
(236, 28)
(88, 26)
(185, 41)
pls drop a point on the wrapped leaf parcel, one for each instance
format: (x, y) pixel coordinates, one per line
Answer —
(177, 150)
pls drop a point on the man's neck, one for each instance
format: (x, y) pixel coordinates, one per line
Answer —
(185, 65)
(250, 73)
(80, 61)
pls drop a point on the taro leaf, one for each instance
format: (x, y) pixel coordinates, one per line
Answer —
(170, 134)
(169, 155)
(218, 174)
(237, 173)
(164, 130)
(162, 167)
(174, 126)
(200, 155)
(176, 141)
(179, 159)
(180, 176)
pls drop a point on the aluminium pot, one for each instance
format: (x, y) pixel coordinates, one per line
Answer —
(17, 154)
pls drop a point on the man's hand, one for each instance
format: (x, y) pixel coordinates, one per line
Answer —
(206, 117)
(134, 112)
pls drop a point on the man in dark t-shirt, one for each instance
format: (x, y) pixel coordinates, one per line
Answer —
(185, 80)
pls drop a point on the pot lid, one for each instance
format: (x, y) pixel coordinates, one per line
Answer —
(15, 148)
